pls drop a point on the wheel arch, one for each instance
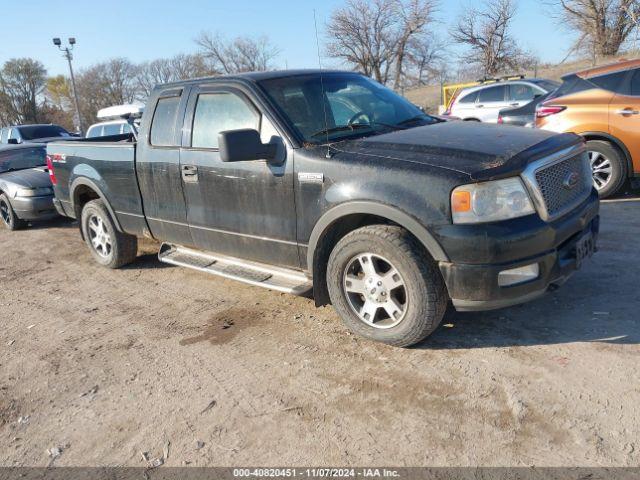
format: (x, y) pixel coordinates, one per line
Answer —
(616, 142)
(344, 218)
(82, 191)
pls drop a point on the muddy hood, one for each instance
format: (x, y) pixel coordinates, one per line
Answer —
(482, 151)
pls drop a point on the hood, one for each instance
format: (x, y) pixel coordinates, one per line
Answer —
(482, 151)
(28, 178)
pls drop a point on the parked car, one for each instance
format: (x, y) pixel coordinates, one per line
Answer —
(26, 193)
(115, 122)
(104, 129)
(524, 116)
(380, 209)
(32, 133)
(603, 105)
(484, 102)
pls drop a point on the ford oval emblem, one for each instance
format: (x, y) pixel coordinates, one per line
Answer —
(570, 180)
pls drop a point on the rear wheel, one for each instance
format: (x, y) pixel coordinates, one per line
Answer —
(109, 247)
(8, 215)
(608, 167)
(384, 286)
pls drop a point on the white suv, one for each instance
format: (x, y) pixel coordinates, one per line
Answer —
(484, 102)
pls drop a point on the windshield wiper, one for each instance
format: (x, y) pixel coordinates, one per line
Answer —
(341, 128)
(411, 120)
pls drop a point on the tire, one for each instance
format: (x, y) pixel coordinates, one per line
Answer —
(609, 168)
(421, 301)
(109, 247)
(8, 215)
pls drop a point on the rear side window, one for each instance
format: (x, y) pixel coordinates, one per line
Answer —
(469, 97)
(492, 94)
(164, 122)
(519, 92)
(612, 82)
(95, 131)
(112, 129)
(4, 135)
(219, 112)
(635, 83)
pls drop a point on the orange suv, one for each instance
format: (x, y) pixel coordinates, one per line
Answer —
(603, 105)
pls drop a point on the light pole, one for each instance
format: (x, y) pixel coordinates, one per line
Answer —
(69, 56)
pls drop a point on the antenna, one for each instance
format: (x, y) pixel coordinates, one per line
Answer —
(324, 103)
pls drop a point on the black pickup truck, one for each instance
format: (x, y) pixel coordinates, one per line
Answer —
(328, 181)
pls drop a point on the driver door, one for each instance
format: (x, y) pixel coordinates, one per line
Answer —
(246, 208)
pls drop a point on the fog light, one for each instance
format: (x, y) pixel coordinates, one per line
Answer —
(514, 276)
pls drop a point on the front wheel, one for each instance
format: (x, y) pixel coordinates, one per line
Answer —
(608, 167)
(8, 215)
(109, 247)
(385, 287)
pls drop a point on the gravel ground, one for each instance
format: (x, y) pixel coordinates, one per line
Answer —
(101, 367)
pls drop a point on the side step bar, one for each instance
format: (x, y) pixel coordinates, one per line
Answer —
(258, 274)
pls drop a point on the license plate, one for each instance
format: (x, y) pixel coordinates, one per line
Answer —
(585, 246)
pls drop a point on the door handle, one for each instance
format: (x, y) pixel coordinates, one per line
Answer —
(479, 106)
(190, 173)
(627, 111)
(514, 104)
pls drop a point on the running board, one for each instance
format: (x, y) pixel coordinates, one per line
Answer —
(258, 274)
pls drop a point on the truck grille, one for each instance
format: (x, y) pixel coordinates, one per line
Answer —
(560, 185)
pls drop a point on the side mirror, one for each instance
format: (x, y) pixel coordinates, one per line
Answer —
(13, 141)
(242, 145)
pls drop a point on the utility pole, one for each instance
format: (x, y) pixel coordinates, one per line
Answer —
(69, 56)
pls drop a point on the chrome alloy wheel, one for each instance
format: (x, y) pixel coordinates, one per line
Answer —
(4, 212)
(99, 236)
(375, 290)
(600, 169)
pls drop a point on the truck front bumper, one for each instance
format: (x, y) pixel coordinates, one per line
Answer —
(557, 248)
(34, 208)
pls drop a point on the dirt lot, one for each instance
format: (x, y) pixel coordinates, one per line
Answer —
(108, 364)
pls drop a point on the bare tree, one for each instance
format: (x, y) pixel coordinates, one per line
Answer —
(375, 37)
(486, 32)
(21, 83)
(414, 16)
(425, 62)
(242, 54)
(603, 25)
(105, 84)
(165, 70)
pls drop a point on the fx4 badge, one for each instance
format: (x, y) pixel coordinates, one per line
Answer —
(305, 177)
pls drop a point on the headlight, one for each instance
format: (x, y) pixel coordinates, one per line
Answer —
(34, 192)
(490, 201)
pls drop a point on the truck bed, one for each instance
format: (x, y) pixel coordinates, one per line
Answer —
(108, 163)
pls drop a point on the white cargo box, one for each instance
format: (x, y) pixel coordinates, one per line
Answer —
(120, 111)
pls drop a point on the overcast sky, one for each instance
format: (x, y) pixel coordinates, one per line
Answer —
(147, 29)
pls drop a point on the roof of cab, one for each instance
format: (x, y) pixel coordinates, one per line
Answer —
(620, 65)
(254, 76)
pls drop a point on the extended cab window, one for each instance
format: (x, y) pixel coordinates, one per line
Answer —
(219, 112)
(164, 122)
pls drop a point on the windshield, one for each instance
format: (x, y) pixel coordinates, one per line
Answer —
(32, 132)
(21, 158)
(355, 106)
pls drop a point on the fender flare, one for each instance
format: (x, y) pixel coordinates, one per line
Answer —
(83, 181)
(378, 209)
(618, 143)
